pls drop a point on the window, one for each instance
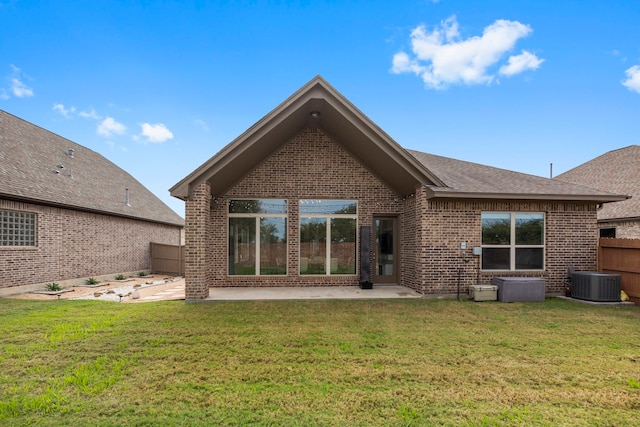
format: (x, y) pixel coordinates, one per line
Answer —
(328, 236)
(608, 232)
(512, 241)
(17, 228)
(257, 237)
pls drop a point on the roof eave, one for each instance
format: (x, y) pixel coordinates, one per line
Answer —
(41, 202)
(431, 194)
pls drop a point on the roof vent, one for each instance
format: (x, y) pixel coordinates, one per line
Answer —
(60, 166)
(126, 197)
(70, 152)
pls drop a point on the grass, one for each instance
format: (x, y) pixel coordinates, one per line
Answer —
(393, 362)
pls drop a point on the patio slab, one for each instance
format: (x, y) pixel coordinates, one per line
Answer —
(309, 293)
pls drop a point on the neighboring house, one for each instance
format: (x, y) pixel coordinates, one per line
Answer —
(67, 213)
(617, 171)
(316, 194)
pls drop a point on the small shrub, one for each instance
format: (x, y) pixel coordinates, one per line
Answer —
(53, 287)
(142, 273)
(92, 281)
(121, 277)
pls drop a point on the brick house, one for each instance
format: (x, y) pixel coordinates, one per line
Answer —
(617, 171)
(316, 194)
(68, 213)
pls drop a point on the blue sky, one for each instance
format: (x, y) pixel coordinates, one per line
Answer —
(158, 87)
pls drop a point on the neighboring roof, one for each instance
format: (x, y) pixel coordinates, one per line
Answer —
(473, 180)
(617, 171)
(318, 104)
(35, 167)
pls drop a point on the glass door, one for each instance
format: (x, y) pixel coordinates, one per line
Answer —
(385, 251)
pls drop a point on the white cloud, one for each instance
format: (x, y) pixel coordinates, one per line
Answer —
(17, 87)
(90, 114)
(156, 133)
(64, 111)
(202, 124)
(441, 57)
(633, 78)
(520, 63)
(20, 89)
(110, 127)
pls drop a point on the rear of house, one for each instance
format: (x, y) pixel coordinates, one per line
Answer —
(67, 213)
(316, 194)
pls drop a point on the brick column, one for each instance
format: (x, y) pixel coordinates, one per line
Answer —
(197, 232)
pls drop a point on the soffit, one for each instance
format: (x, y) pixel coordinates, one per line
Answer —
(342, 121)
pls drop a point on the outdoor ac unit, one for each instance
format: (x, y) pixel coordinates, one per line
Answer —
(593, 286)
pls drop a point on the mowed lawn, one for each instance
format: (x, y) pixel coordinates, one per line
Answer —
(391, 362)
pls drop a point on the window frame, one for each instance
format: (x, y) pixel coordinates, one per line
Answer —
(257, 217)
(28, 235)
(512, 245)
(328, 217)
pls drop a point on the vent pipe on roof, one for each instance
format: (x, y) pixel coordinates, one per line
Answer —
(550, 170)
(126, 197)
(70, 152)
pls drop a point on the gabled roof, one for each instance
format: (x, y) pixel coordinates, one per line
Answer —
(617, 171)
(316, 104)
(473, 180)
(36, 167)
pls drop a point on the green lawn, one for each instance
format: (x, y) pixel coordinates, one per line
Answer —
(393, 362)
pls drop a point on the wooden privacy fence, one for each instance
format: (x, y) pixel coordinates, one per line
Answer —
(622, 256)
(167, 259)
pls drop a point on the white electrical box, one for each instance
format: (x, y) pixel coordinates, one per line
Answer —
(477, 250)
(463, 245)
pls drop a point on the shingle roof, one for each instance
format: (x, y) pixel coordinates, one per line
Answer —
(616, 171)
(473, 180)
(35, 166)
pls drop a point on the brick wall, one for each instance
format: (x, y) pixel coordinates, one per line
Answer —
(310, 166)
(624, 229)
(313, 166)
(571, 241)
(73, 244)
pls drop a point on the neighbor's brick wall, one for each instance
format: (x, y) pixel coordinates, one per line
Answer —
(624, 229)
(571, 241)
(73, 244)
(310, 166)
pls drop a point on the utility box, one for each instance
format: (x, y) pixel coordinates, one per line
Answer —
(519, 289)
(483, 292)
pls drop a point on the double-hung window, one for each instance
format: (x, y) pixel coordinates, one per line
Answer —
(17, 228)
(328, 236)
(257, 237)
(512, 241)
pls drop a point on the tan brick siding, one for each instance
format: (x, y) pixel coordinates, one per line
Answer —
(73, 244)
(624, 229)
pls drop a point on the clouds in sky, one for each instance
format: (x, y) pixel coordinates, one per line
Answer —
(157, 133)
(632, 82)
(17, 87)
(109, 127)
(441, 57)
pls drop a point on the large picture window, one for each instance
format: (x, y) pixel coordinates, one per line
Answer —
(328, 236)
(257, 237)
(512, 241)
(17, 228)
